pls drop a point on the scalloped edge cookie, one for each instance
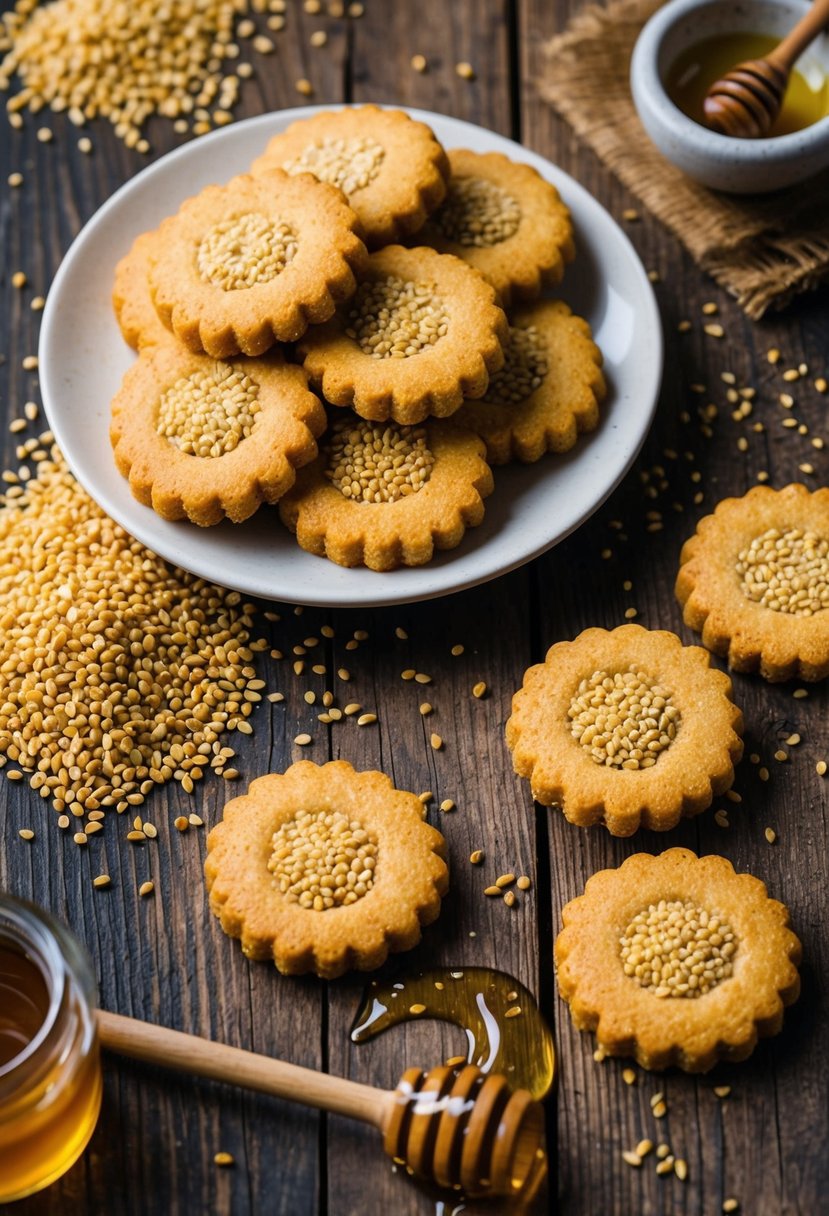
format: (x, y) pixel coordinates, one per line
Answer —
(411, 181)
(781, 646)
(535, 256)
(384, 536)
(693, 1034)
(697, 766)
(564, 406)
(410, 878)
(135, 312)
(436, 379)
(261, 468)
(321, 274)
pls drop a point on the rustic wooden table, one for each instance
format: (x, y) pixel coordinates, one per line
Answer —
(165, 958)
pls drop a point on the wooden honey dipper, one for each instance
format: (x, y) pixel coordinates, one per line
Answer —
(746, 101)
(460, 1128)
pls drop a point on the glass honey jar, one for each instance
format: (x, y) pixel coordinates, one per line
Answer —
(50, 1069)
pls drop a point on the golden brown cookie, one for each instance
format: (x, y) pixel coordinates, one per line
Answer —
(754, 581)
(253, 262)
(325, 869)
(384, 495)
(422, 332)
(203, 439)
(391, 169)
(137, 318)
(548, 391)
(625, 727)
(677, 960)
(503, 218)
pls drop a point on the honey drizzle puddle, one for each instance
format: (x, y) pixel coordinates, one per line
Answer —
(476, 1000)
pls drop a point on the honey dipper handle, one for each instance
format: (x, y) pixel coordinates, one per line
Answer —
(206, 1058)
(806, 30)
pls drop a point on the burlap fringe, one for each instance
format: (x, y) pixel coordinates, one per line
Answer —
(764, 250)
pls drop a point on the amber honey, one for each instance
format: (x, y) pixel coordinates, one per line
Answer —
(50, 1073)
(695, 70)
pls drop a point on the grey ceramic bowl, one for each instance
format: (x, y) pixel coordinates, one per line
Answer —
(739, 166)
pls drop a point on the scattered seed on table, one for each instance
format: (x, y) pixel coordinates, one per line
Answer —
(352, 708)
(302, 740)
(665, 1167)
(456, 651)
(730, 1205)
(343, 674)
(80, 838)
(26, 834)
(195, 820)
(660, 1110)
(181, 823)
(425, 709)
(722, 1091)
(19, 279)
(714, 331)
(663, 1151)
(800, 694)
(629, 1076)
(644, 1147)
(524, 883)
(276, 697)
(419, 63)
(820, 768)
(44, 135)
(632, 1159)
(30, 363)
(401, 634)
(366, 719)
(505, 880)
(681, 1169)
(436, 742)
(476, 857)
(422, 678)
(146, 888)
(63, 821)
(317, 39)
(447, 805)
(781, 756)
(309, 697)
(426, 796)
(492, 890)
(479, 690)
(509, 899)
(770, 835)
(230, 774)
(223, 1159)
(15, 180)
(103, 880)
(465, 70)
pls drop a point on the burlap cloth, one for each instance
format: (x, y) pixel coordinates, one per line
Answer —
(762, 249)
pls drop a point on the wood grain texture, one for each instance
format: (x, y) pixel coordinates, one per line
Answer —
(166, 959)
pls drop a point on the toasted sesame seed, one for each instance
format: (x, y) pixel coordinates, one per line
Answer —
(683, 327)
(660, 1110)
(102, 880)
(63, 821)
(714, 331)
(820, 768)
(425, 709)
(195, 820)
(629, 1076)
(505, 880)
(730, 1205)
(781, 756)
(146, 888)
(317, 39)
(223, 1159)
(19, 279)
(436, 742)
(419, 63)
(800, 694)
(630, 214)
(426, 796)
(181, 823)
(366, 719)
(422, 678)
(26, 834)
(773, 355)
(665, 1167)
(304, 87)
(30, 363)
(303, 740)
(447, 805)
(722, 1091)
(457, 651)
(662, 1150)
(465, 70)
(15, 180)
(476, 857)
(352, 708)
(509, 899)
(644, 1147)
(821, 384)
(524, 883)
(479, 690)
(492, 890)
(646, 719)
(770, 835)
(343, 674)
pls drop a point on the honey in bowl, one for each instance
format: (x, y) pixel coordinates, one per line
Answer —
(50, 1072)
(694, 71)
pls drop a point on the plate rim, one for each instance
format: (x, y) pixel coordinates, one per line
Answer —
(439, 584)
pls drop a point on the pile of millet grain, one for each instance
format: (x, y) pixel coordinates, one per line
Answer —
(126, 60)
(117, 672)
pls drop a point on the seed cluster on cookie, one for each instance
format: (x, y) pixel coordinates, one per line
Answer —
(421, 380)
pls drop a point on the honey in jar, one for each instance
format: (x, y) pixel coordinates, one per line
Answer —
(50, 1071)
(691, 75)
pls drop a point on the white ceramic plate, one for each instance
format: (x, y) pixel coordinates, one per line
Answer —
(83, 357)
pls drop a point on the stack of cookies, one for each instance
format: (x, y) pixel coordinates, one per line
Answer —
(328, 333)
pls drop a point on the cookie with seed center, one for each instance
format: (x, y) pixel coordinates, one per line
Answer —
(205, 439)
(385, 495)
(254, 262)
(754, 581)
(391, 168)
(548, 391)
(422, 332)
(677, 961)
(503, 218)
(325, 869)
(625, 727)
